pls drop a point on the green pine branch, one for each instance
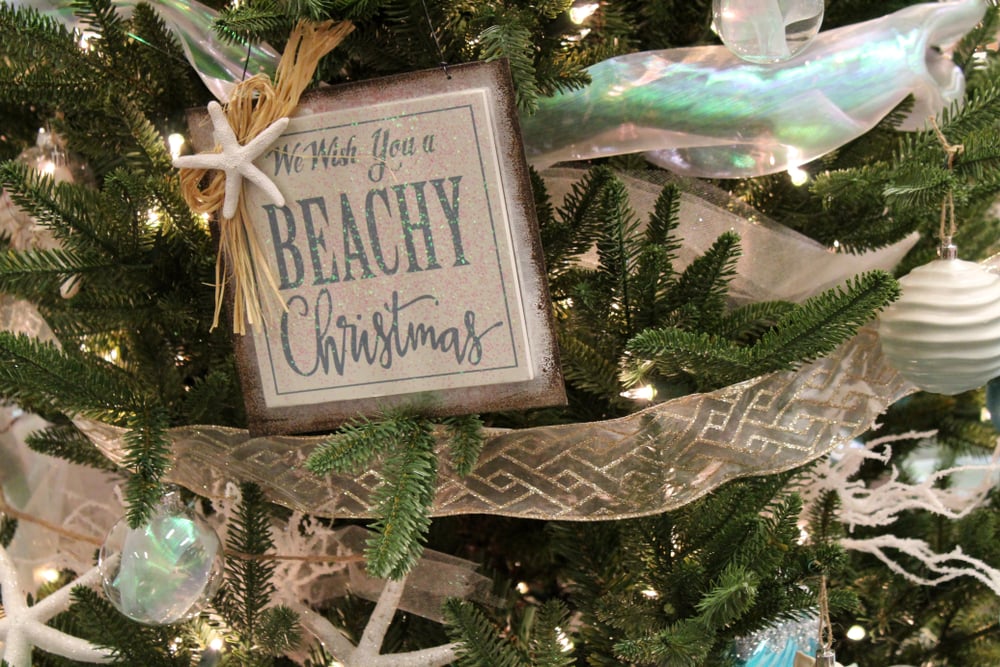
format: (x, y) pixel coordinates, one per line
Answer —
(677, 588)
(549, 635)
(43, 64)
(102, 17)
(479, 643)
(980, 161)
(514, 42)
(750, 322)
(684, 644)
(26, 273)
(964, 53)
(809, 331)
(732, 596)
(8, 527)
(465, 442)
(251, 22)
(279, 629)
(67, 442)
(823, 524)
(147, 457)
(262, 632)
(403, 503)
(699, 293)
(825, 321)
(356, 444)
(150, 155)
(214, 398)
(588, 369)
(618, 251)
(703, 359)
(162, 52)
(920, 187)
(41, 378)
(571, 232)
(131, 643)
(77, 215)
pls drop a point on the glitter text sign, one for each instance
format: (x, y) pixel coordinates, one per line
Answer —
(406, 257)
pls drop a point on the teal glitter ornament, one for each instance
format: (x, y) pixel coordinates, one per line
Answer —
(165, 571)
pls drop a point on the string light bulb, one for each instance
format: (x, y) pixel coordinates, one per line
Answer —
(565, 643)
(581, 11)
(176, 142)
(644, 393)
(798, 175)
(154, 218)
(47, 574)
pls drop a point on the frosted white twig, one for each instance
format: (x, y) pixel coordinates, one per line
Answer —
(366, 653)
(24, 626)
(946, 566)
(881, 503)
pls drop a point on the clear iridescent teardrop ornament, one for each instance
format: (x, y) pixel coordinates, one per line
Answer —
(766, 31)
(165, 571)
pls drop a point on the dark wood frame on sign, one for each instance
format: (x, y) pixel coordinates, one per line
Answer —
(372, 136)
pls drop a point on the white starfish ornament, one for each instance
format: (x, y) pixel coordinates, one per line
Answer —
(23, 627)
(367, 652)
(236, 160)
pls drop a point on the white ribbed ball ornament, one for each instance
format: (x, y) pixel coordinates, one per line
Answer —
(943, 334)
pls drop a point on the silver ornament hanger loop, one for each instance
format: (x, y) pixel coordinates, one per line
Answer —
(947, 249)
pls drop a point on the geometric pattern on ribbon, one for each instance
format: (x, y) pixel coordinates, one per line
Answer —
(649, 462)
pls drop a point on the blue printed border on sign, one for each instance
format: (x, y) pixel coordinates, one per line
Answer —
(510, 332)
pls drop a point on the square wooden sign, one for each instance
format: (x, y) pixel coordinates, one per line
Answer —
(407, 256)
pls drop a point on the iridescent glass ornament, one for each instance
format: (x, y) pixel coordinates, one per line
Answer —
(165, 571)
(766, 31)
(703, 112)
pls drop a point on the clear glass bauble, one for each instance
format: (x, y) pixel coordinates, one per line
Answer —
(766, 31)
(165, 571)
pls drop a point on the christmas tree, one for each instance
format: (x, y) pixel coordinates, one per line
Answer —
(737, 473)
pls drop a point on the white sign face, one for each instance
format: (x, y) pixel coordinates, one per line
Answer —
(406, 257)
(393, 254)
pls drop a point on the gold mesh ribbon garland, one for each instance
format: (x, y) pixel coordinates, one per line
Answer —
(255, 104)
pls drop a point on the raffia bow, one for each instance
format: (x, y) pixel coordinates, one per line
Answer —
(255, 104)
